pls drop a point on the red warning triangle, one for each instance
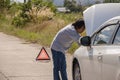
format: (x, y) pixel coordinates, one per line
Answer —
(43, 55)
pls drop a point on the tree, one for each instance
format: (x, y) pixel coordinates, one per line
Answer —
(112, 1)
(73, 6)
(4, 5)
(14, 9)
(80, 5)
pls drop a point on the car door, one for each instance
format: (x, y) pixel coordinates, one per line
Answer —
(100, 45)
(116, 44)
(103, 46)
(94, 60)
(111, 58)
(89, 64)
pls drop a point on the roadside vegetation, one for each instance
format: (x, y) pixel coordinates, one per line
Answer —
(36, 21)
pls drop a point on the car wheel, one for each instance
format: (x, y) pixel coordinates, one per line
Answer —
(76, 72)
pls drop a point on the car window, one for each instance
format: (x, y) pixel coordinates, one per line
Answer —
(117, 37)
(104, 36)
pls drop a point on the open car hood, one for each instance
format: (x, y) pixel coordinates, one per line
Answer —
(96, 15)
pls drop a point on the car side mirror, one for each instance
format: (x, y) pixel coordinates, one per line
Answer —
(85, 41)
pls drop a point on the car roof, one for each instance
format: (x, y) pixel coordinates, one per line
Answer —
(114, 18)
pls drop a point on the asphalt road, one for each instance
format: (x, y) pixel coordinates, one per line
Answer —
(17, 60)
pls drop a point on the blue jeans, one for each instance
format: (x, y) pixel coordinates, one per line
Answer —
(59, 63)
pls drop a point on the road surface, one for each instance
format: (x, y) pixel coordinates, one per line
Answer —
(17, 61)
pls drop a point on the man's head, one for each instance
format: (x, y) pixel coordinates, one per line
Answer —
(79, 25)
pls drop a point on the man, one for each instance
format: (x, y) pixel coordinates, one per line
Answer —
(62, 41)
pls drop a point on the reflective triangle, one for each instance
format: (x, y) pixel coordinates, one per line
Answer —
(43, 55)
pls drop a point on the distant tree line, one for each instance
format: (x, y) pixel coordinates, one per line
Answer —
(112, 1)
(73, 6)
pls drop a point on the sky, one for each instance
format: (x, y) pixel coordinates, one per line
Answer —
(19, 0)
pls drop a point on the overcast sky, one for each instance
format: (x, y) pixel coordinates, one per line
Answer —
(19, 0)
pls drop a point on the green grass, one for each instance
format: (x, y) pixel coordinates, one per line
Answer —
(69, 17)
(43, 33)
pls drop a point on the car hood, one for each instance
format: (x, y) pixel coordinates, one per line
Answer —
(96, 15)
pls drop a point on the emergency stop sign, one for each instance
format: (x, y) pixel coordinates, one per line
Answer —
(43, 55)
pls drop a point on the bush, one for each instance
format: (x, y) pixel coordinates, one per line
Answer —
(35, 11)
(2, 18)
(51, 6)
(18, 21)
(41, 11)
(42, 15)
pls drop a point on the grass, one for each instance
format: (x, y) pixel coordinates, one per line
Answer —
(42, 33)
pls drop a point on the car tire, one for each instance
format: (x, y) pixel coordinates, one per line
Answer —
(76, 72)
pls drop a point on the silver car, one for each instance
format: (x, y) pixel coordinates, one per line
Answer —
(99, 56)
